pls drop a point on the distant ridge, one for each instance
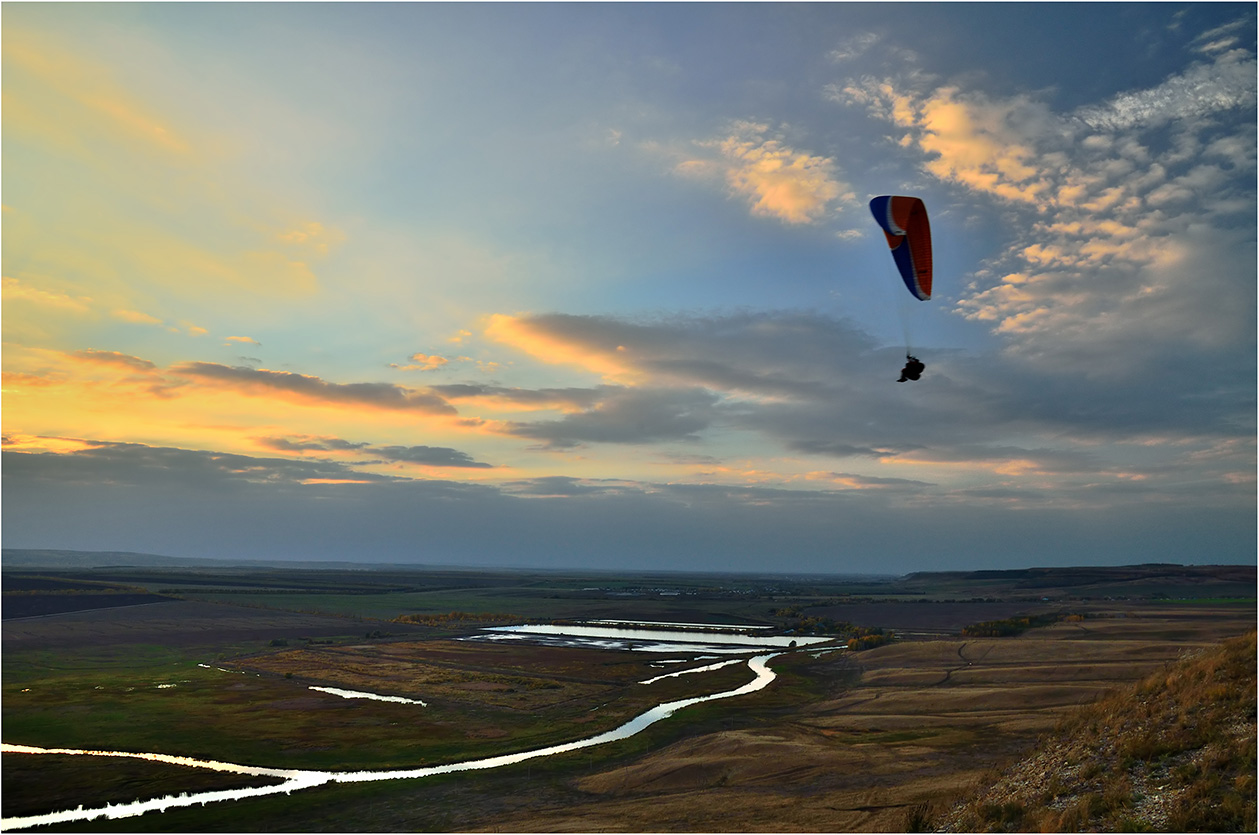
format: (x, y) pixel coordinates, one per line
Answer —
(28, 558)
(54, 559)
(49, 558)
(1083, 575)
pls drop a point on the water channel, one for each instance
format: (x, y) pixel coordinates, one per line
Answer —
(298, 779)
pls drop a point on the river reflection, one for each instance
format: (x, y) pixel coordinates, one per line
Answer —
(297, 779)
(685, 638)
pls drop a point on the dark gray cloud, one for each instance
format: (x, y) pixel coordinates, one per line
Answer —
(570, 486)
(106, 463)
(880, 482)
(840, 449)
(772, 353)
(822, 386)
(306, 443)
(628, 416)
(433, 456)
(264, 382)
(819, 388)
(427, 455)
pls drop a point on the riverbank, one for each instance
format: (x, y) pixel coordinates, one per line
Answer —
(297, 780)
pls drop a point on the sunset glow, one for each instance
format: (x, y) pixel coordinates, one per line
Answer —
(598, 285)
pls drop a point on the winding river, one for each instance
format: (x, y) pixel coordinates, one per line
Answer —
(298, 779)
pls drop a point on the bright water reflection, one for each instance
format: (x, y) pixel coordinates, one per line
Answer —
(296, 779)
(675, 625)
(358, 694)
(644, 640)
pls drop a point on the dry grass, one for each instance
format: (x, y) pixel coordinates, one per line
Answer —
(926, 722)
(460, 673)
(1174, 752)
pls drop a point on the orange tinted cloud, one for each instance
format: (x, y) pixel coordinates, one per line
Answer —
(309, 389)
(422, 362)
(525, 335)
(115, 358)
(776, 179)
(19, 291)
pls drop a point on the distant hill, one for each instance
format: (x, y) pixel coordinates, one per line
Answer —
(54, 560)
(1151, 580)
(1174, 753)
(1147, 582)
(46, 558)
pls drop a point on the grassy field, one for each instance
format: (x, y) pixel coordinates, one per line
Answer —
(840, 742)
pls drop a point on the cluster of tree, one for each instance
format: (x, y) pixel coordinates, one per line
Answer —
(1013, 626)
(868, 637)
(814, 625)
(455, 618)
(234, 590)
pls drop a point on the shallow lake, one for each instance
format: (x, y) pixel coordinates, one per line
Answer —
(632, 636)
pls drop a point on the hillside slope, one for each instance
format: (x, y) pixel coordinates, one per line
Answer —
(1174, 753)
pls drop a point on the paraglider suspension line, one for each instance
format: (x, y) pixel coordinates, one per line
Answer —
(902, 301)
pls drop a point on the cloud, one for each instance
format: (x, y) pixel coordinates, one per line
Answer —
(866, 482)
(310, 389)
(152, 499)
(136, 317)
(422, 362)
(1132, 219)
(1228, 83)
(761, 354)
(775, 179)
(627, 417)
(100, 463)
(429, 456)
(854, 47)
(115, 358)
(248, 340)
(424, 455)
(817, 387)
(18, 291)
(503, 397)
(839, 449)
(567, 487)
(1222, 37)
(308, 443)
(16, 381)
(312, 237)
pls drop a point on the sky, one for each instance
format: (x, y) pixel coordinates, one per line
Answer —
(596, 285)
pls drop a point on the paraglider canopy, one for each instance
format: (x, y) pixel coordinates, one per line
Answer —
(904, 221)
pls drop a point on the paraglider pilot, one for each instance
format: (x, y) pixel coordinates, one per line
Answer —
(913, 369)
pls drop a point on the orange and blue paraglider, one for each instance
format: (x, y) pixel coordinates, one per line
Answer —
(904, 221)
